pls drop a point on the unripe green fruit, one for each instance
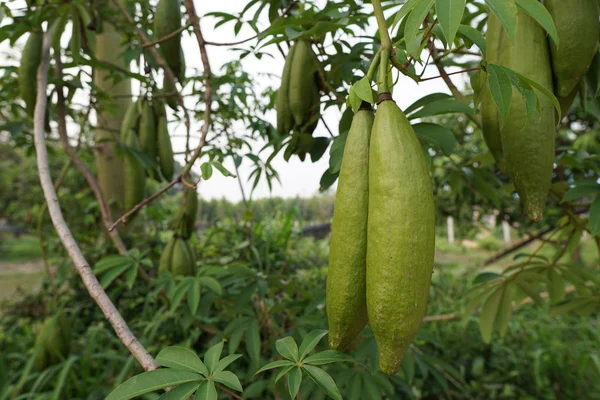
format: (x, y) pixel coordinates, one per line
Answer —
(133, 173)
(285, 120)
(302, 84)
(401, 235)
(164, 264)
(181, 261)
(30, 61)
(167, 19)
(147, 131)
(578, 30)
(190, 211)
(528, 143)
(165, 149)
(346, 276)
(53, 342)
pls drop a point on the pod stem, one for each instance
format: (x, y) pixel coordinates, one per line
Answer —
(374, 65)
(386, 47)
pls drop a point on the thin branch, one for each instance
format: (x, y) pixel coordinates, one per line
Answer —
(89, 279)
(285, 12)
(448, 74)
(123, 218)
(83, 169)
(229, 392)
(327, 127)
(167, 37)
(517, 246)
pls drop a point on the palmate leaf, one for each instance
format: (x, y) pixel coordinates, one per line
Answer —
(539, 13)
(288, 348)
(181, 392)
(274, 364)
(327, 357)
(310, 342)
(488, 314)
(294, 379)
(416, 17)
(323, 380)
(437, 134)
(212, 356)
(179, 357)
(151, 381)
(506, 11)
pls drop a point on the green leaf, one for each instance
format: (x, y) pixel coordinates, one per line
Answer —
(504, 310)
(179, 357)
(595, 217)
(211, 283)
(274, 364)
(474, 36)
(151, 381)
(413, 23)
(110, 276)
(530, 291)
(181, 392)
(488, 314)
(59, 382)
(404, 10)
(212, 356)
(323, 380)
(557, 286)
(253, 340)
(180, 291)
(547, 93)
(506, 11)
(193, 297)
(228, 379)
(450, 13)
(206, 169)
(354, 100)
(437, 134)
(580, 191)
(225, 362)
(310, 342)
(207, 391)
(294, 381)
(363, 90)
(486, 277)
(444, 106)
(501, 88)
(222, 169)
(327, 357)
(284, 372)
(109, 262)
(288, 348)
(569, 305)
(538, 12)
(430, 98)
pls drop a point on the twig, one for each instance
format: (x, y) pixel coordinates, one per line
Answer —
(62, 229)
(448, 74)
(327, 127)
(517, 246)
(285, 12)
(167, 37)
(83, 169)
(123, 218)
(229, 392)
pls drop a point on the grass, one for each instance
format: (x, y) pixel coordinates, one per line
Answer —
(21, 249)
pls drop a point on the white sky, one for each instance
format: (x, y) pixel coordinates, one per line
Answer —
(298, 178)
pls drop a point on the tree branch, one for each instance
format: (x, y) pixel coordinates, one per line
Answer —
(517, 246)
(167, 37)
(62, 229)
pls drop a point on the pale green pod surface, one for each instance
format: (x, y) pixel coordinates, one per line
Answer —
(133, 173)
(190, 211)
(165, 149)
(496, 39)
(528, 144)
(30, 61)
(192, 255)
(167, 19)
(346, 276)
(147, 131)
(285, 120)
(171, 100)
(301, 91)
(578, 30)
(180, 260)
(401, 235)
(130, 122)
(164, 263)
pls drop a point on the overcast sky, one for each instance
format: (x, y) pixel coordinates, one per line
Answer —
(297, 178)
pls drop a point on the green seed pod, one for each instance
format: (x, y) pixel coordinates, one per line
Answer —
(192, 255)
(401, 235)
(190, 211)
(53, 342)
(302, 84)
(30, 61)
(346, 276)
(490, 116)
(167, 19)
(164, 264)
(165, 150)
(171, 100)
(181, 262)
(578, 30)
(147, 131)
(133, 173)
(528, 143)
(285, 120)
(130, 122)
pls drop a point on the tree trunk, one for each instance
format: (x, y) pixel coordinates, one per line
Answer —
(110, 113)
